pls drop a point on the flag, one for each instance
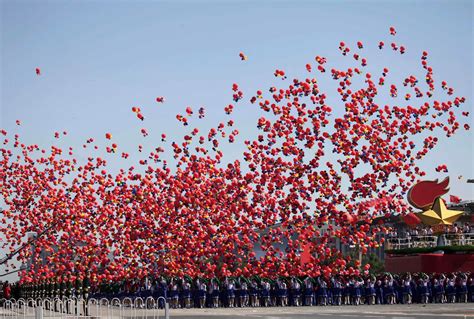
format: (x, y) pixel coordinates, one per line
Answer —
(454, 199)
(306, 254)
(411, 219)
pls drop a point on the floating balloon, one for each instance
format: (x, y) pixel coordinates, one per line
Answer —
(242, 56)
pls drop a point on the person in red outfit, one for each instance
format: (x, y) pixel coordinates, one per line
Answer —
(7, 290)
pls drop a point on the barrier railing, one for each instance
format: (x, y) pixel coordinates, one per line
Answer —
(430, 241)
(76, 308)
(459, 239)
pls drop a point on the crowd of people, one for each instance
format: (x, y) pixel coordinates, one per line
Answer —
(285, 291)
(426, 236)
(423, 230)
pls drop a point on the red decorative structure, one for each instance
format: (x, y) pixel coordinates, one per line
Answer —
(426, 195)
(423, 194)
(429, 263)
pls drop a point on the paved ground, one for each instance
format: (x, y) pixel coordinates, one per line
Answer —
(444, 311)
(342, 312)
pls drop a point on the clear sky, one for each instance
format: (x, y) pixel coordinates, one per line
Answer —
(100, 58)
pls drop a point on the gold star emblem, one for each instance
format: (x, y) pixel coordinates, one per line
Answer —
(439, 214)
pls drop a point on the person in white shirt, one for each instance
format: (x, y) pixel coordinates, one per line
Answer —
(455, 229)
(466, 228)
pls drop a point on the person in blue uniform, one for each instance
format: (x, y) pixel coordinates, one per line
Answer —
(438, 293)
(282, 293)
(406, 289)
(397, 286)
(266, 289)
(201, 293)
(379, 296)
(336, 287)
(163, 292)
(347, 292)
(274, 294)
(174, 294)
(470, 289)
(461, 288)
(389, 290)
(253, 292)
(244, 294)
(214, 293)
(186, 294)
(370, 291)
(414, 289)
(230, 289)
(308, 292)
(451, 289)
(296, 292)
(329, 291)
(424, 289)
(223, 302)
(322, 291)
(356, 291)
(237, 292)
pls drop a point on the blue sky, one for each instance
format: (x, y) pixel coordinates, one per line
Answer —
(100, 58)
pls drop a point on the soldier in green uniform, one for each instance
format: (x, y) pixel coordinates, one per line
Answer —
(42, 290)
(55, 291)
(86, 285)
(47, 289)
(69, 286)
(35, 290)
(62, 291)
(50, 292)
(25, 291)
(77, 291)
(78, 287)
(68, 293)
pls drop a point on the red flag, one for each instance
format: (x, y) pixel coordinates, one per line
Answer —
(411, 219)
(454, 199)
(305, 246)
(306, 254)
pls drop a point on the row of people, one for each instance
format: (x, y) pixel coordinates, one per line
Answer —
(255, 292)
(337, 290)
(466, 228)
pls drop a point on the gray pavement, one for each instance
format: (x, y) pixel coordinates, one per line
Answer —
(444, 311)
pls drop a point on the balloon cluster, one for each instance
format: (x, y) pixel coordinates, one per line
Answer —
(254, 216)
